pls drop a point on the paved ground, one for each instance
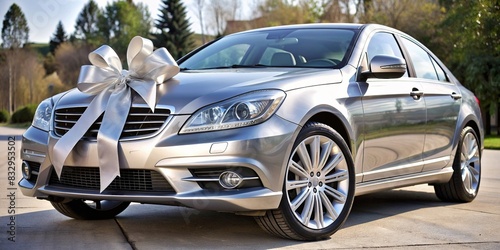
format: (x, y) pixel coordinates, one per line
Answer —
(397, 219)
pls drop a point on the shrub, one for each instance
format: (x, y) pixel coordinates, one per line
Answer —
(24, 114)
(4, 116)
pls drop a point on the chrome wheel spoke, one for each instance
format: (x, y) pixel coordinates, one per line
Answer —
(340, 175)
(473, 170)
(329, 206)
(297, 202)
(326, 150)
(333, 163)
(466, 178)
(335, 194)
(296, 184)
(304, 157)
(475, 161)
(298, 170)
(318, 212)
(308, 209)
(315, 152)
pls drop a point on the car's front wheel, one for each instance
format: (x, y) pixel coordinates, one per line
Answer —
(318, 189)
(90, 210)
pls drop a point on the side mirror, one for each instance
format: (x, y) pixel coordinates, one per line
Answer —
(383, 66)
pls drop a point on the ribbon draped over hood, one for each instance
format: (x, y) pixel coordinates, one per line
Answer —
(112, 88)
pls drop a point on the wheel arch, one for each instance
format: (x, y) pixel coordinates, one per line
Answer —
(334, 122)
(472, 122)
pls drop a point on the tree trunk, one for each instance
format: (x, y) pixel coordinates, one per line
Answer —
(487, 120)
(497, 115)
(9, 65)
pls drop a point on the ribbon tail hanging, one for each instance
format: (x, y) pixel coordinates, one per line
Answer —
(109, 134)
(65, 145)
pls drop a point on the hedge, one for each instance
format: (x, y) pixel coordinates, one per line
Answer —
(4, 116)
(24, 114)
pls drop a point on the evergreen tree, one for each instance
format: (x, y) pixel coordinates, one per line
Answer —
(15, 30)
(86, 27)
(174, 32)
(120, 21)
(58, 37)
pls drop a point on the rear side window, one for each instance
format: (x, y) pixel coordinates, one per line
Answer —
(423, 63)
(439, 71)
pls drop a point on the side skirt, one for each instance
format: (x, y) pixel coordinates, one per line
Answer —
(431, 177)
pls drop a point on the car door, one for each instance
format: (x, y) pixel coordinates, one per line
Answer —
(442, 99)
(394, 118)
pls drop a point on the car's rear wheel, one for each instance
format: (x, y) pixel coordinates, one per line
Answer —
(91, 210)
(464, 184)
(318, 189)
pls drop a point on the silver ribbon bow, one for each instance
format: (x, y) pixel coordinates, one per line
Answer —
(112, 87)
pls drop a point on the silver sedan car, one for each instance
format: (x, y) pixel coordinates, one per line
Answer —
(286, 124)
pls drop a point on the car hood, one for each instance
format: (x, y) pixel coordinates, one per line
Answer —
(192, 89)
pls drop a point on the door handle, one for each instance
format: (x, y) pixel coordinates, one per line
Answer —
(416, 94)
(456, 96)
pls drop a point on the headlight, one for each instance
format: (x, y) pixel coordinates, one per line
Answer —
(43, 114)
(244, 110)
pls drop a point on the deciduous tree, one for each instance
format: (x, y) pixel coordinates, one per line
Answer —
(15, 34)
(474, 35)
(120, 21)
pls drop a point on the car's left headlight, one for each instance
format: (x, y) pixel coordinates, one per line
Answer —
(43, 115)
(243, 110)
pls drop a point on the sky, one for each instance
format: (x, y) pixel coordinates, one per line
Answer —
(43, 15)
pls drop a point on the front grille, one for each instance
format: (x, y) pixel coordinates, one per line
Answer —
(129, 180)
(140, 122)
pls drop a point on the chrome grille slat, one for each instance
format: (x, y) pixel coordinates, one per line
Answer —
(63, 128)
(140, 122)
(143, 114)
(68, 114)
(145, 122)
(68, 121)
(138, 130)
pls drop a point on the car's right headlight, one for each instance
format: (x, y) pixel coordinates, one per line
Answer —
(43, 115)
(240, 111)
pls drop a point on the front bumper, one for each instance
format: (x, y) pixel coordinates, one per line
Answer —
(262, 150)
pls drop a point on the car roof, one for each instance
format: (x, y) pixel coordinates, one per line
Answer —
(352, 26)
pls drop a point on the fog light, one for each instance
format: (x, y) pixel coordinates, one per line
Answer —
(25, 168)
(230, 179)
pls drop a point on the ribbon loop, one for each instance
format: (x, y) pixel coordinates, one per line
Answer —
(112, 87)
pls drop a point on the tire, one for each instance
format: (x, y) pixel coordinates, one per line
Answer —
(464, 184)
(91, 210)
(318, 190)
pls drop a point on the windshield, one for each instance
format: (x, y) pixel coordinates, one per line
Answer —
(318, 48)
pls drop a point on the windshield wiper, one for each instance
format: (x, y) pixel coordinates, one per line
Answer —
(236, 66)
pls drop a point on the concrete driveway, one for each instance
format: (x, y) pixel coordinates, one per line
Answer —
(402, 218)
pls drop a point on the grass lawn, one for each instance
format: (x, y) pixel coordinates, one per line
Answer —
(492, 142)
(16, 125)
